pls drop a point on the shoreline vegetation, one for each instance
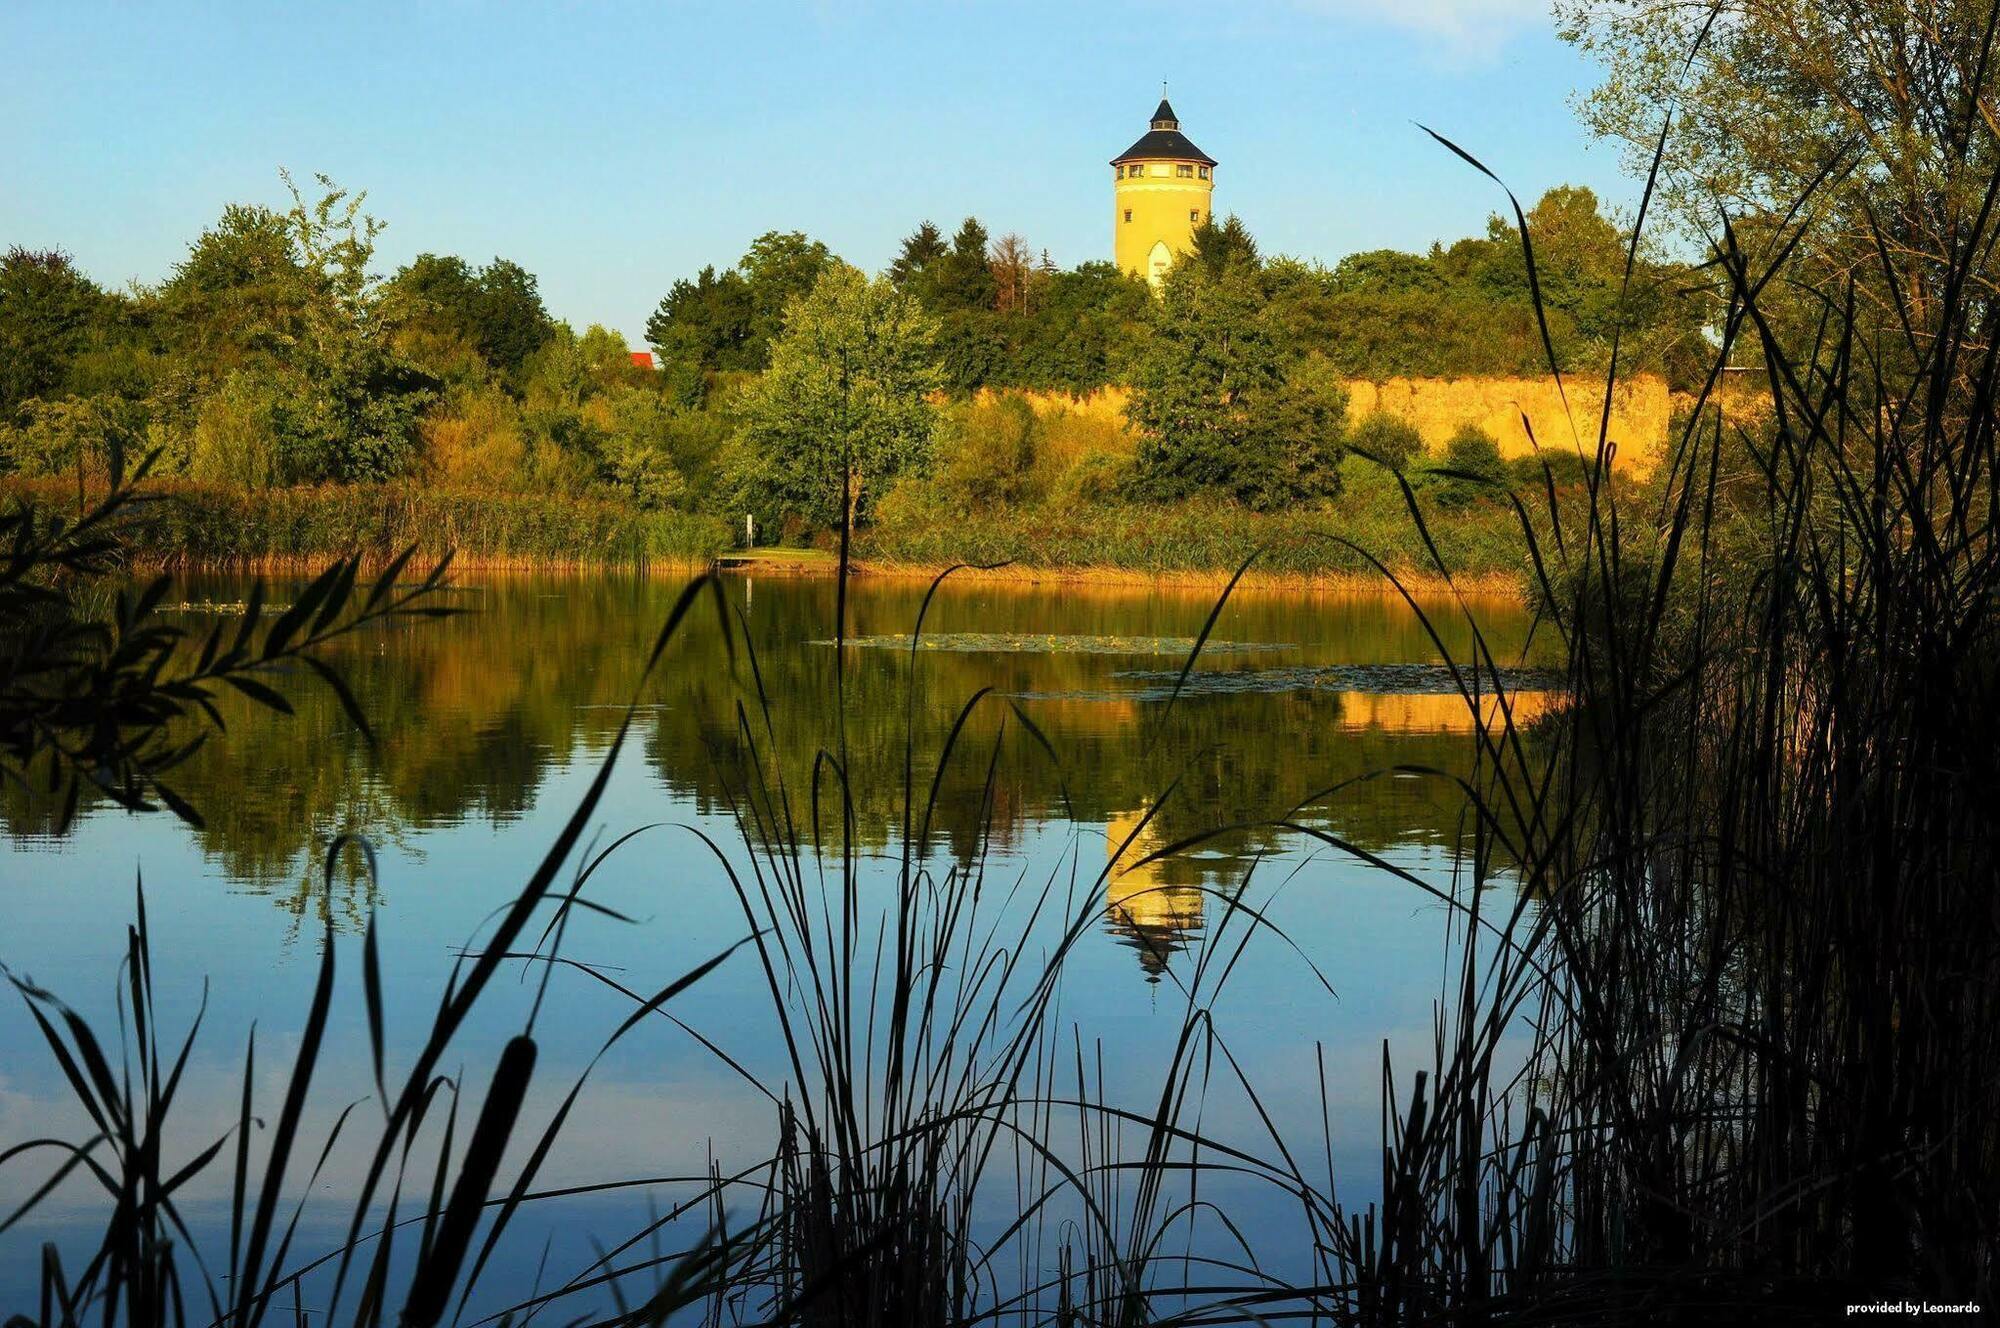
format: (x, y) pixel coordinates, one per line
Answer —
(294, 405)
(185, 526)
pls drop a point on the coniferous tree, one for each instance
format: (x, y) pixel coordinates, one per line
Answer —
(1218, 246)
(703, 325)
(921, 250)
(964, 276)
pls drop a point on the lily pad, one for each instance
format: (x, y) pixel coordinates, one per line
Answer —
(1038, 643)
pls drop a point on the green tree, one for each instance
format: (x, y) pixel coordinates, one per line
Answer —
(845, 406)
(1220, 406)
(638, 449)
(1218, 247)
(1385, 271)
(1387, 438)
(962, 278)
(354, 406)
(239, 293)
(724, 321)
(288, 300)
(1084, 331)
(922, 248)
(513, 321)
(497, 309)
(703, 325)
(779, 266)
(46, 311)
(1882, 109)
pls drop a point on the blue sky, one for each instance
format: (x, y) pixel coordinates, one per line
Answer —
(614, 147)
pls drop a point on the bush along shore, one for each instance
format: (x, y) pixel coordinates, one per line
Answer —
(204, 525)
(309, 406)
(1480, 544)
(191, 526)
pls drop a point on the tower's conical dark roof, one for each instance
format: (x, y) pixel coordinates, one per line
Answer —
(1164, 140)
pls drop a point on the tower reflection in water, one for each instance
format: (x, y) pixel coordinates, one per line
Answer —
(1143, 910)
(1159, 918)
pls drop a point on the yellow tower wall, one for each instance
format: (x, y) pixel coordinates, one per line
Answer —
(1163, 208)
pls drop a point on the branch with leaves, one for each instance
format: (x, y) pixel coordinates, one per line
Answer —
(114, 698)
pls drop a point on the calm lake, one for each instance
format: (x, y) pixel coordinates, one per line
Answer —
(493, 723)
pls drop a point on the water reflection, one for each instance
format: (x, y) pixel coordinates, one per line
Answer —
(1156, 917)
(1292, 694)
(491, 724)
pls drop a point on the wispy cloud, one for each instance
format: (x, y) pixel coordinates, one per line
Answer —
(1461, 28)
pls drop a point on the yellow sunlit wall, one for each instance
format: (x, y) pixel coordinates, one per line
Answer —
(1156, 216)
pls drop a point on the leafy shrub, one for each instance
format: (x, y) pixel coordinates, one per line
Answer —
(987, 450)
(1563, 465)
(234, 440)
(1474, 458)
(637, 450)
(1388, 438)
(475, 441)
(88, 435)
(1096, 477)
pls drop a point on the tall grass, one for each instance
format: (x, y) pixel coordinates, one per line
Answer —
(1480, 540)
(150, 1267)
(1756, 938)
(214, 525)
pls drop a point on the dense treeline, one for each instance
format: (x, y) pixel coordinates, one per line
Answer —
(791, 385)
(274, 356)
(1008, 317)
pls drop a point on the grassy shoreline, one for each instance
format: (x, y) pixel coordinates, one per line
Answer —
(1332, 583)
(299, 530)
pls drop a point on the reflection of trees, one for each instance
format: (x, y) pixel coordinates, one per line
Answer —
(468, 712)
(473, 712)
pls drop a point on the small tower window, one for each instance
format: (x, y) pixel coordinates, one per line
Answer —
(1204, 172)
(1184, 171)
(1194, 215)
(1128, 214)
